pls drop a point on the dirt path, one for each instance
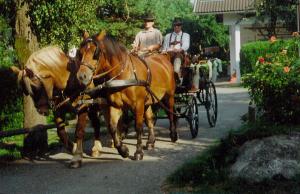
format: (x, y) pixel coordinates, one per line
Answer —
(112, 174)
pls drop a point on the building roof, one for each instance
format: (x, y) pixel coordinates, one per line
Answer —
(223, 6)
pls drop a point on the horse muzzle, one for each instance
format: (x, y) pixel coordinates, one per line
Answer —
(84, 78)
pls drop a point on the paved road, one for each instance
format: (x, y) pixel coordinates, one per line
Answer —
(112, 174)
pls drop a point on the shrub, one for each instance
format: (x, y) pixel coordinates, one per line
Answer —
(251, 51)
(274, 85)
(10, 104)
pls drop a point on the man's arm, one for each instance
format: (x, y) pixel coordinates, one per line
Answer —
(185, 42)
(136, 42)
(166, 43)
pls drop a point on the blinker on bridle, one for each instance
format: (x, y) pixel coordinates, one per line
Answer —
(96, 53)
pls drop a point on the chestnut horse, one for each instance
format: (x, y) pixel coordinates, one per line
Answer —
(131, 84)
(49, 76)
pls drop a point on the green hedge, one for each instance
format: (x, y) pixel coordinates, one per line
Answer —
(250, 52)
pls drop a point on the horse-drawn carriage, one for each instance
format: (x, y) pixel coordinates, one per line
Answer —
(129, 83)
(196, 90)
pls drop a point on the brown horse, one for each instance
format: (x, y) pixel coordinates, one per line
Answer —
(49, 77)
(131, 84)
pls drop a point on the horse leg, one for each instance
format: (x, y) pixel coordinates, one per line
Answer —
(59, 118)
(79, 135)
(124, 124)
(105, 112)
(150, 124)
(96, 125)
(115, 115)
(173, 130)
(139, 119)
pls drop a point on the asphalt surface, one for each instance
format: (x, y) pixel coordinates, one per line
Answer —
(112, 174)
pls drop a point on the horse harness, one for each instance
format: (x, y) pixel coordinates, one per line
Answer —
(114, 84)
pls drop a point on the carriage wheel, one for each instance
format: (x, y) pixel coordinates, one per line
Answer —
(193, 117)
(211, 103)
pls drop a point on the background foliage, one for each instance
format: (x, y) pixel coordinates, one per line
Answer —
(10, 106)
(61, 22)
(11, 114)
(277, 12)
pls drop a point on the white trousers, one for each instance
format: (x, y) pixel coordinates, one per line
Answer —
(177, 65)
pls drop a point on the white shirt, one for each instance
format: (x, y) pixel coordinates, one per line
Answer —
(185, 41)
(72, 52)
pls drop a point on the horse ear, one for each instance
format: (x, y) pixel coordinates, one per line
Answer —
(19, 73)
(85, 35)
(101, 35)
(15, 69)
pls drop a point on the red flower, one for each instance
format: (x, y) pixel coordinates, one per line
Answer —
(286, 69)
(261, 60)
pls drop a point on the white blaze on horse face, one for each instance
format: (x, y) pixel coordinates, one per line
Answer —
(87, 66)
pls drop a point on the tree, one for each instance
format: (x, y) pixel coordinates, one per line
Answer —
(60, 22)
(25, 44)
(275, 11)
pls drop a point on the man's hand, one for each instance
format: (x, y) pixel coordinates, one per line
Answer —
(177, 50)
(134, 48)
(151, 48)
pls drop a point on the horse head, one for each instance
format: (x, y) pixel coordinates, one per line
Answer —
(89, 56)
(32, 85)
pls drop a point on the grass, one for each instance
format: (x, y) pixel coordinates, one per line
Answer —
(11, 147)
(208, 172)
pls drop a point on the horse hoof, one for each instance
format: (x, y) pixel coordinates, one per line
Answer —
(174, 137)
(96, 154)
(111, 144)
(75, 164)
(138, 156)
(149, 146)
(123, 151)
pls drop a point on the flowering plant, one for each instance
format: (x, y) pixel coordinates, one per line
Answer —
(274, 85)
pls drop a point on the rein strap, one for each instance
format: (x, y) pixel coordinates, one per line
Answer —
(105, 73)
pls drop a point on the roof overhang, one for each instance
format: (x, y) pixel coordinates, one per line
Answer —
(204, 7)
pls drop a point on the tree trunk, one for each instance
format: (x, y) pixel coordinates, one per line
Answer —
(26, 43)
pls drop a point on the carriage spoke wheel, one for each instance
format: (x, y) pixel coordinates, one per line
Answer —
(211, 104)
(193, 117)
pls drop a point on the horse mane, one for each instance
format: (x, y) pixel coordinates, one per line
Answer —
(113, 48)
(50, 56)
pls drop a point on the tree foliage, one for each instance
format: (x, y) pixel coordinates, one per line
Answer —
(275, 11)
(61, 22)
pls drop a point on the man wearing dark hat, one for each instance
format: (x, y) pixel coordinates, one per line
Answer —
(149, 39)
(177, 43)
